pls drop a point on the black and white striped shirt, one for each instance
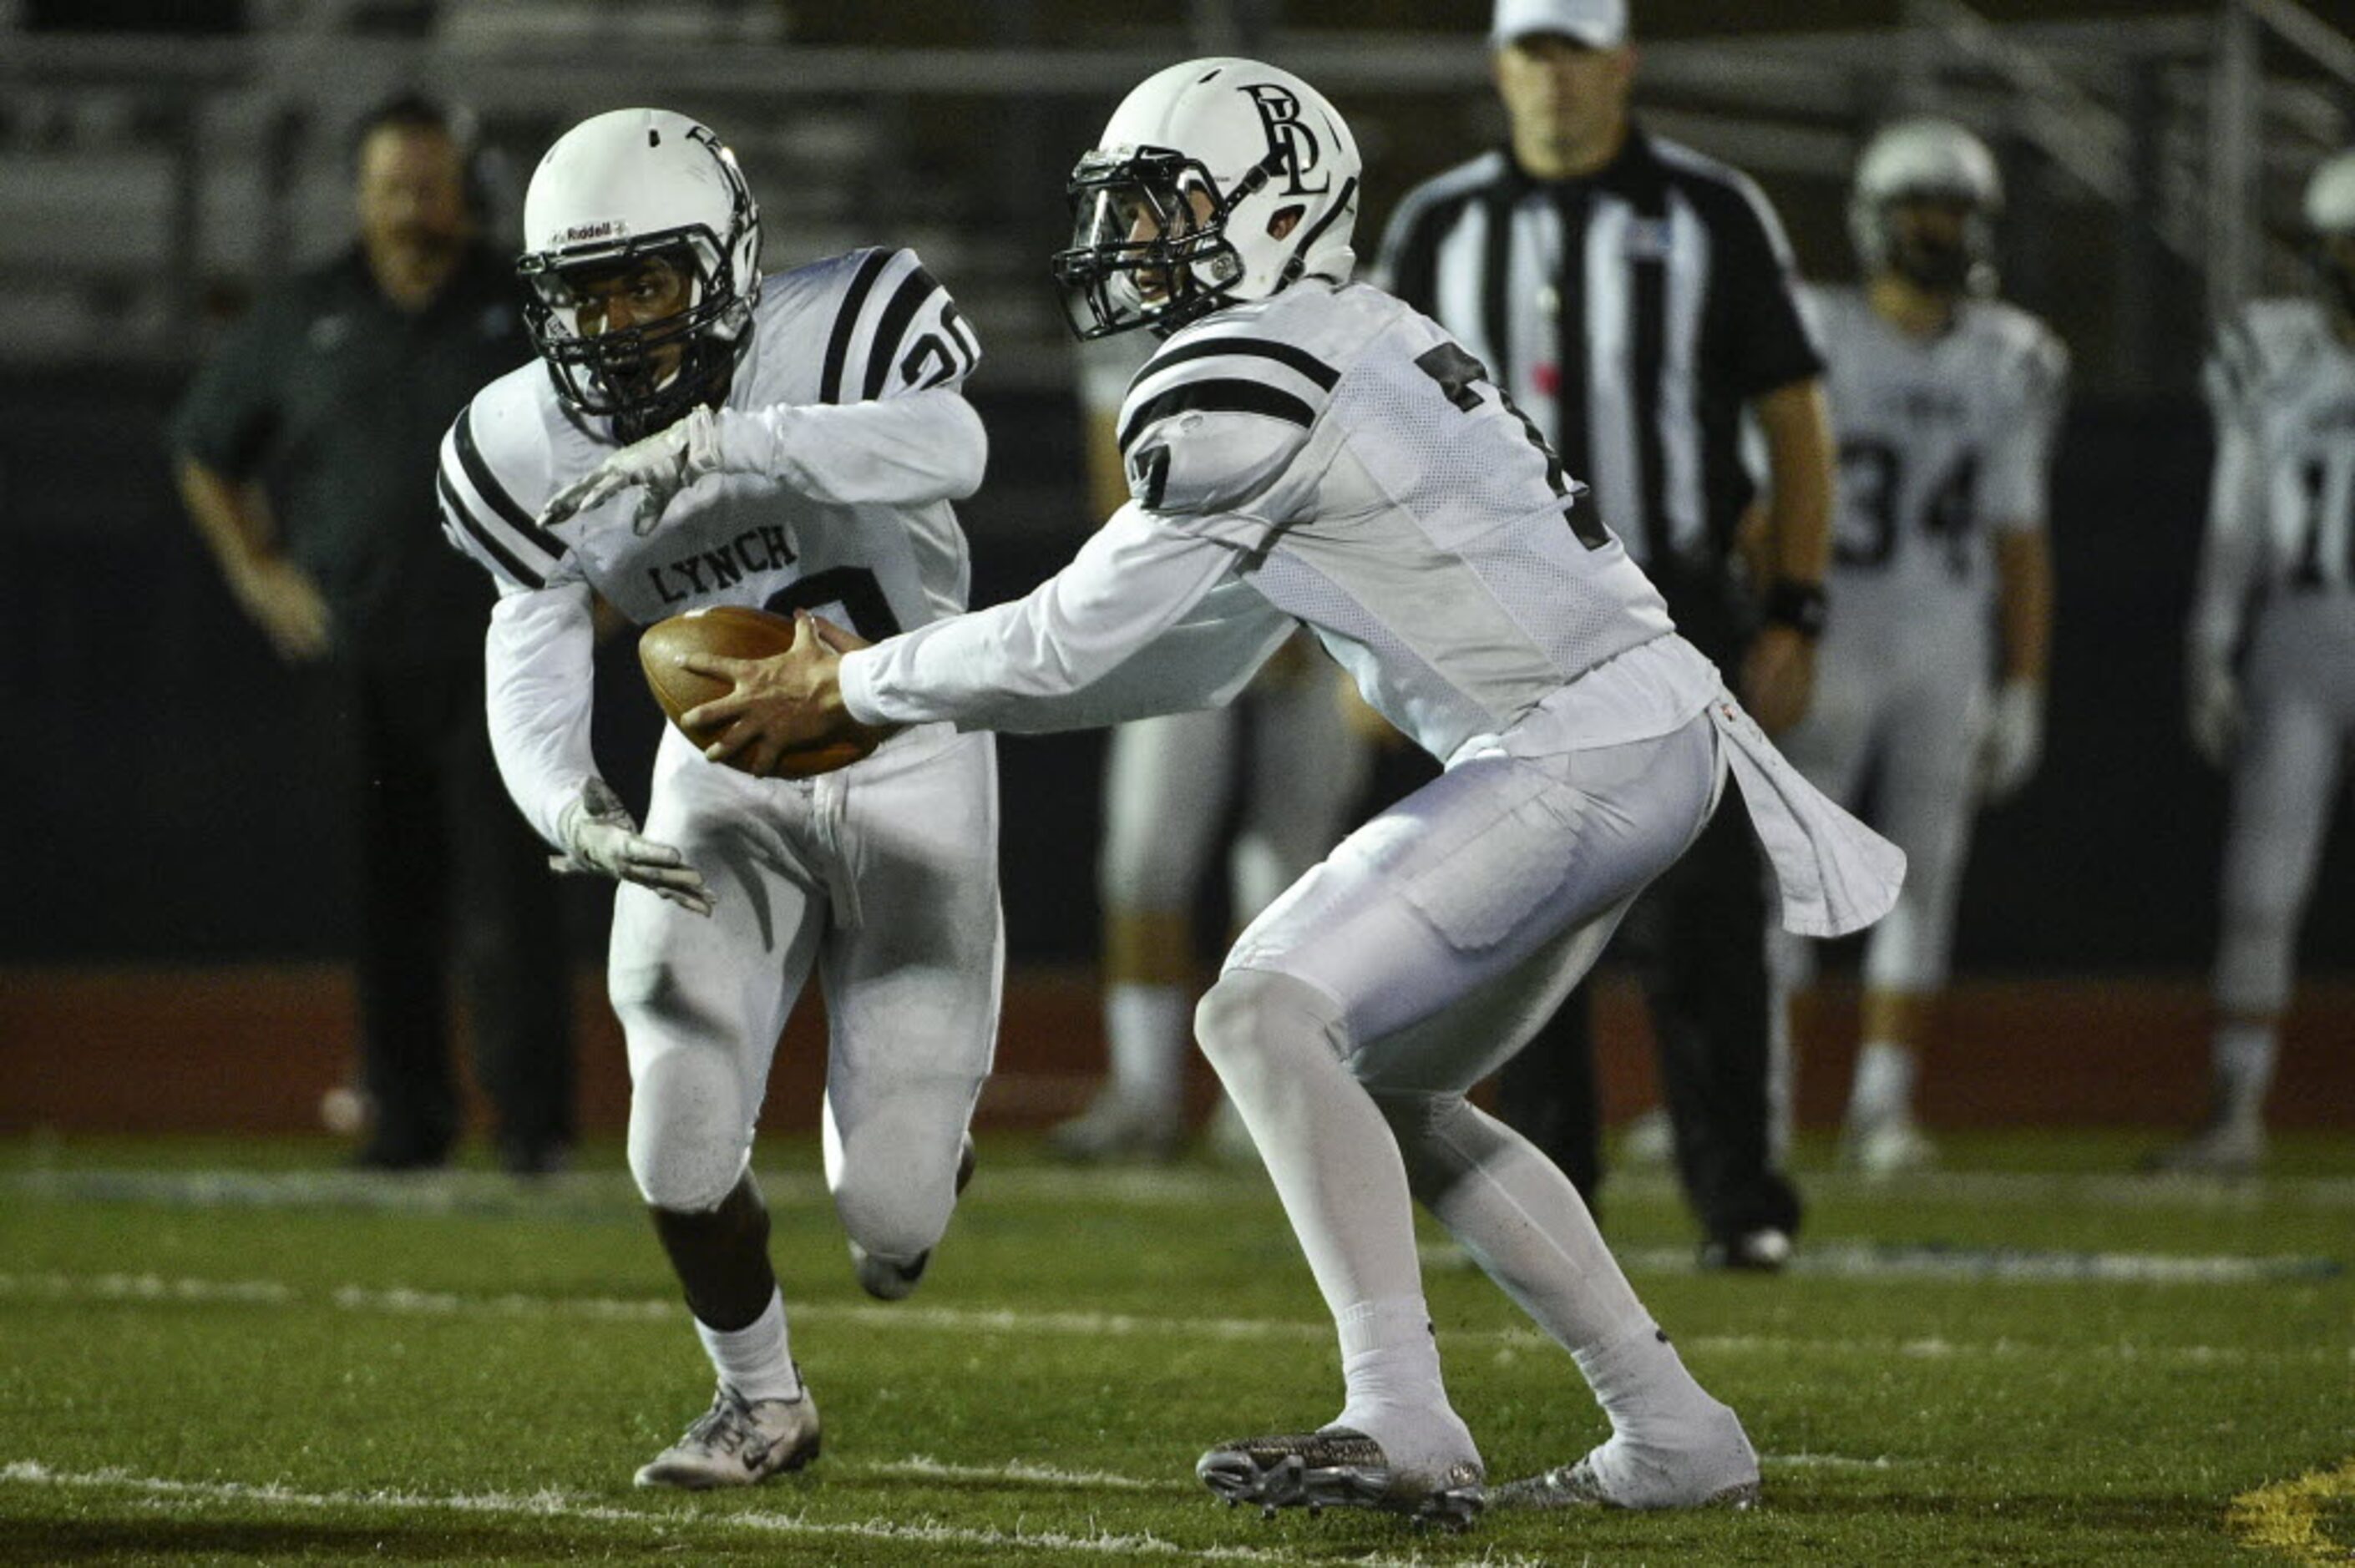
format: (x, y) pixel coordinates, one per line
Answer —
(1632, 313)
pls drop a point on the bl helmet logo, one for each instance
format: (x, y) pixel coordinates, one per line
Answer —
(1279, 116)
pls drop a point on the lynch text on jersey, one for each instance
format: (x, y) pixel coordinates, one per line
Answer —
(760, 549)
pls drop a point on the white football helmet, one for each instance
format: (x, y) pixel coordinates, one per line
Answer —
(1171, 211)
(1927, 161)
(2330, 208)
(622, 185)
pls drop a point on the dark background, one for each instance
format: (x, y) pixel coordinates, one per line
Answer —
(159, 761)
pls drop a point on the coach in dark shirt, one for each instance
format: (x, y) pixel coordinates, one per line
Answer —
(306, 453)
(1635, 298)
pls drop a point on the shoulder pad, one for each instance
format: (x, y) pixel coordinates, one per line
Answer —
(891, 328)
(494, 476)
(1215, 416)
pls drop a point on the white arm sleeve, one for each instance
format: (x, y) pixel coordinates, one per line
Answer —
(537, 664)
(898, 451)
(1030, 664)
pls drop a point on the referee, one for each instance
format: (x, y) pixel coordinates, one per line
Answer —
(1635, 298)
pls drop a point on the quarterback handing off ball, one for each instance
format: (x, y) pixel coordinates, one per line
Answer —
(728, 632)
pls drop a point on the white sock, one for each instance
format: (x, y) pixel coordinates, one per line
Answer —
(1389, 1364)
(2243, 1057)
(1882, 1088)
(1387, 1354)
(1641, 1384)
(1148, 1028)
(755, 1360)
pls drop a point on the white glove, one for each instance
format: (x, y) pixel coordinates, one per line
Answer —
(660, 467)
(2215, 710)
(2013, 742)
(601, 839)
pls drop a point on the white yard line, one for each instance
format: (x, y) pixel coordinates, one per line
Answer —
(402, 1301)
(552, 1504)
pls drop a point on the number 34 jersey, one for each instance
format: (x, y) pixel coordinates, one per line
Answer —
(1943, 442)
(830, 529)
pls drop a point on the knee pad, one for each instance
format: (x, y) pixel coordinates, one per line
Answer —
(893, 1172)
(1251, 1014)
(690, 1138)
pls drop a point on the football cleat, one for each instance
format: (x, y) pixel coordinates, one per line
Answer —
(1885, 1146)
(887, 1280)
(1336, 1467)
(1720, 1471)
(1115, 1130)
(2230, 1146)
(738, 1443)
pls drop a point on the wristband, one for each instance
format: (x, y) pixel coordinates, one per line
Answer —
(1797, 605)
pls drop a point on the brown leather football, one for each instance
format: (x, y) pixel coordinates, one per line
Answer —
(731, 631)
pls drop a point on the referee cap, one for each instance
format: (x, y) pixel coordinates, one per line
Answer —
(1597, 24)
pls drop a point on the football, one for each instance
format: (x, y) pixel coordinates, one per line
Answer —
(731, 631)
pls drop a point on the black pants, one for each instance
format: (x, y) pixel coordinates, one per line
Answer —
(1697, 938)
(449, 872)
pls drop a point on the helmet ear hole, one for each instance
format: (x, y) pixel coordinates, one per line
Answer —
(1285, 219)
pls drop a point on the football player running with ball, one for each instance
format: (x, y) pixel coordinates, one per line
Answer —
(2271, 666)
(1945, 401)
(1303, 450)
(791, 442)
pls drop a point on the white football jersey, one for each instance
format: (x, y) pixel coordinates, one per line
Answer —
(867, 325)
(2282, 388)
(1326, 456)
(852, 379)
(1943, 443)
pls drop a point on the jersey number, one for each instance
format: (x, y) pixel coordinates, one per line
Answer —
(1873, 483)
(852, 590)
(1455, 370)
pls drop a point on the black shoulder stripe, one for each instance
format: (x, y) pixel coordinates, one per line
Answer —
(913, 290)
(487, 485)
(1299, 359)
(456, 509)
(1218, 397)
(846, 322)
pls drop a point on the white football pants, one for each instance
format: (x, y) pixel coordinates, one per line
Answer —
(883, 878)
(2299, 691)
(1356, 1011)
(1906, 707)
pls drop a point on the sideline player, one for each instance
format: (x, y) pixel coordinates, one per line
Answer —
(1947, 402)
(2271, 666)
(1286, 749)
(1306, 451)
(806, 434)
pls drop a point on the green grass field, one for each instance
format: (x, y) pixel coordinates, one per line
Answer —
(231, 1352)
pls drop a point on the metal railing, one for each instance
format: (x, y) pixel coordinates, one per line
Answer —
(216, 159)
